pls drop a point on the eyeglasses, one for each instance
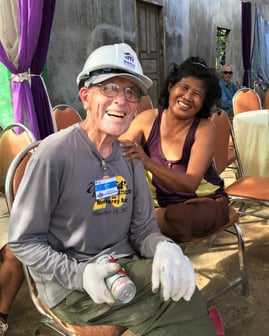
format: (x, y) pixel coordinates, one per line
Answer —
(227, 72)
(111, 90)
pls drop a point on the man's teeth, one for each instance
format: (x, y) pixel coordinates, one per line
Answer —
(118, 115)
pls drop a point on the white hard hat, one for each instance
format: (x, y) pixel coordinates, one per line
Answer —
(111, 61)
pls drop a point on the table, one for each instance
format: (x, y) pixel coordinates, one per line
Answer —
(252, 136)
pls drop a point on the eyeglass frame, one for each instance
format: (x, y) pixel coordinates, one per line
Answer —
(227, 72)
(140, 93)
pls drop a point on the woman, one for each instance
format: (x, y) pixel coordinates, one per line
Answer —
(177, 143)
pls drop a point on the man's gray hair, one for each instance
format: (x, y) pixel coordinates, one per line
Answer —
(225, 66)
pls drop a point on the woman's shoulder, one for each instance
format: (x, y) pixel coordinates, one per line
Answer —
(206, 125)
(146, 118)
(148, 114)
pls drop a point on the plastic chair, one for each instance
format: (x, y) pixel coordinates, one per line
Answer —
(11, 143)
(222, 122)
(65, 116)
(233, 228)
(246, 99)
(248, 191)
(48, 319)
(266, 99)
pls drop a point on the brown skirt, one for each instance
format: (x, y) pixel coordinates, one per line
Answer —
(194, 218)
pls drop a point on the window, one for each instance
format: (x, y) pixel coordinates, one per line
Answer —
(221, 38)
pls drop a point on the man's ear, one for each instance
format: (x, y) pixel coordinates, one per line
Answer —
(83, 94)
(85, 97)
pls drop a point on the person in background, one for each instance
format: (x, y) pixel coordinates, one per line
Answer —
(228, 89)
(11, 271)
(175, 142)
(80, 199)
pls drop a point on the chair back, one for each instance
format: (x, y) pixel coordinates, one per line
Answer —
(266, 99)
(257, 88)
(222, 124)
(246, 99)
(65, 116)
(238, 161)
(144, 104)
(11, 143)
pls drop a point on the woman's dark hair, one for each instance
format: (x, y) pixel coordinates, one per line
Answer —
(193, 67)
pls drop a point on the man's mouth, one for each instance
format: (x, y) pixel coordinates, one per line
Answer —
(117, 114)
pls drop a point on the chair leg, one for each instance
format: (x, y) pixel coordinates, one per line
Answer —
(211, 240)
(242, 259)
(242, 211)
(47, 323)
(243, 277)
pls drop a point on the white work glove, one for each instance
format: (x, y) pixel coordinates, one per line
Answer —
(94, 281)
(173, 272)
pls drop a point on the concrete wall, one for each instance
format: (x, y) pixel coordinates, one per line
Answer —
(205, 17)
(189, 27)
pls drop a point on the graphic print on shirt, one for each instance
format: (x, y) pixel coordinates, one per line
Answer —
(117, 200)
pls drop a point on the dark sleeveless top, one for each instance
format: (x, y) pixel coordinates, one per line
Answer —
(213, 184)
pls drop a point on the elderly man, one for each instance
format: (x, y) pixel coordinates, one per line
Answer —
(81, 199)
(228, 89)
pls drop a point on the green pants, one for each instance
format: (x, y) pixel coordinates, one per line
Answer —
(146, 314)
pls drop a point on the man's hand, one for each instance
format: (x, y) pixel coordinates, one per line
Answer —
(172, 272)
(94, 281)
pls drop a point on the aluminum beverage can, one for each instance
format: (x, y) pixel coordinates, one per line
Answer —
(120, 285)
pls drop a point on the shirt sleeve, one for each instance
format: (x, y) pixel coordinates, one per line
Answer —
(29, 224)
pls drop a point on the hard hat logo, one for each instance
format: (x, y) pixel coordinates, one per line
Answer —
(129, 60)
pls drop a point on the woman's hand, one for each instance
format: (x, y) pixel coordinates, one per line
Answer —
(135, 151)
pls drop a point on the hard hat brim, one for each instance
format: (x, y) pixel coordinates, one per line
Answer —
(143, 83)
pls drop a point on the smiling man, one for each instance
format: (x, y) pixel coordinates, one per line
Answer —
(80, 199)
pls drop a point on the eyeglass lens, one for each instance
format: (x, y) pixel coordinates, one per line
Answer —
(112, 90)
(227, 72)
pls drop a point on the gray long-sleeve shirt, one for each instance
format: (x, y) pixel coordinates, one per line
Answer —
(57, 224)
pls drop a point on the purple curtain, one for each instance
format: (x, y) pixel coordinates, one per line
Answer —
(246, 40)
(41, 101)
(29, 95)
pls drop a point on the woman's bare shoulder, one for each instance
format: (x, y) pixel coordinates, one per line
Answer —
(141, 125)
(206, 126)
(145, 119)
(147, 114)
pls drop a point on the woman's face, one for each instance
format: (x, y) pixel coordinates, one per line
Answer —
(186, 97)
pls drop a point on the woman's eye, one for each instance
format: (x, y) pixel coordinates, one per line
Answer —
(199, 94)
